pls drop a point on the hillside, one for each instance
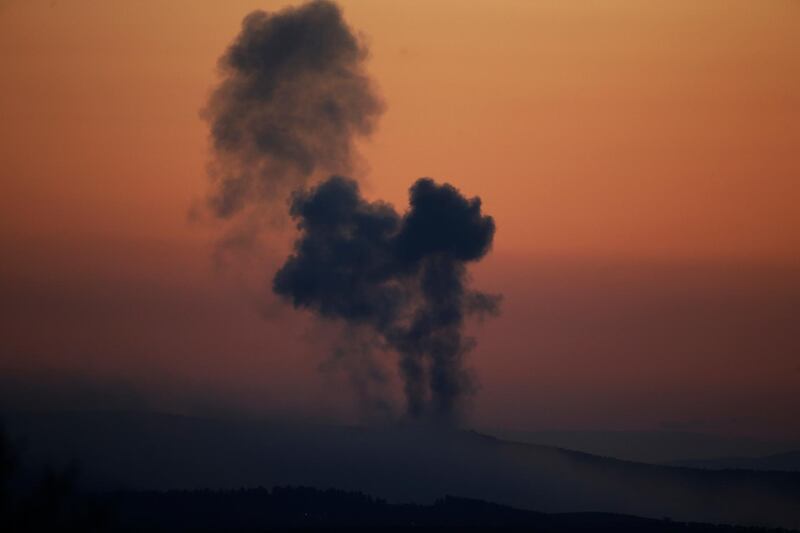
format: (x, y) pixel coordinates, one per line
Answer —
(143, 452)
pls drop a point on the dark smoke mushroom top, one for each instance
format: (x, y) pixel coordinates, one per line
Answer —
(404, 277)
(353, 257)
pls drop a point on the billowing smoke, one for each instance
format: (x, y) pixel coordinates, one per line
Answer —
(293, 98)
(403, 276)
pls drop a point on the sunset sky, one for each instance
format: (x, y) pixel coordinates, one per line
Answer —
(640, 160)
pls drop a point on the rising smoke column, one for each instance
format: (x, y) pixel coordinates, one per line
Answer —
(293, 98)
(402, 276)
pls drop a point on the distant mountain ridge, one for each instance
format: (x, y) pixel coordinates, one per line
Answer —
(402, 464)
(655, 447)
(787, 462)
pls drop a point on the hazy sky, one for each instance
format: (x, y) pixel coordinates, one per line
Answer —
(640, 160)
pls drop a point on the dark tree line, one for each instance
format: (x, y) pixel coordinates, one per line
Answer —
(44, 500)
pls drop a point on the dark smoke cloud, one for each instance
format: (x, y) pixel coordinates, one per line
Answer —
(293, 97)
(402, 276)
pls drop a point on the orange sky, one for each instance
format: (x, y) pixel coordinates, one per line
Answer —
(615, 142)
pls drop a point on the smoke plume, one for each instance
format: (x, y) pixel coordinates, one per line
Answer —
(403, 276)
(293, 98)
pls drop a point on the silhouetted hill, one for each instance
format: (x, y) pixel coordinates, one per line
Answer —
(142, 452)
(656, 447)
(789, 461)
